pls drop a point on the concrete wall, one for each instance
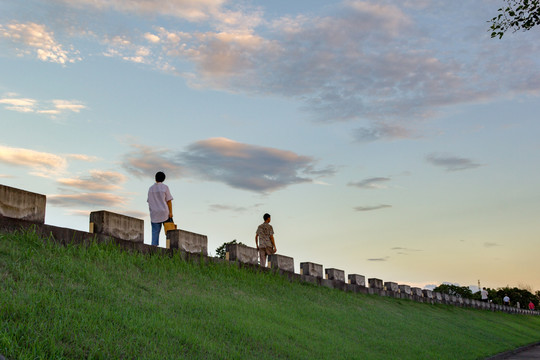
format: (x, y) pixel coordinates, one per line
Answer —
(124, 230)
(117, 225)
(187, 241)
(21, 204)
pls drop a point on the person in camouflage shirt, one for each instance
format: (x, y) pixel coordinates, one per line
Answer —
(264, 239)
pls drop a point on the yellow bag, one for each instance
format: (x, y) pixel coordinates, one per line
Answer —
(169, 225)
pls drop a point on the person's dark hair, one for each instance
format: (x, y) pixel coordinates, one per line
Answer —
(266, 217)
(160, 176)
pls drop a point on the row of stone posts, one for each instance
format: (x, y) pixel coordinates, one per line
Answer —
(24, 205)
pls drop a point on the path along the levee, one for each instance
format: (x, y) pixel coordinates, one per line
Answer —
(526, 352)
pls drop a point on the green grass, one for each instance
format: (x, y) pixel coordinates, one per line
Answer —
(100, 302)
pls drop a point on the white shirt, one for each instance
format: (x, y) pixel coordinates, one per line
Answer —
(484, 294)
(158, 195)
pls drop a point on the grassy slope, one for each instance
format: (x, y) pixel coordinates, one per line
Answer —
(100, 302)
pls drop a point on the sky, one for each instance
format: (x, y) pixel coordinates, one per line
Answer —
(390, 139)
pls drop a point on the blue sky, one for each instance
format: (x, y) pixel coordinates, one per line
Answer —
(393, 139)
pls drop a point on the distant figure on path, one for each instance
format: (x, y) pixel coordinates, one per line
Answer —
(484, 294)
(160, 205)
(531, 305)
(506, 300)
(264, 240)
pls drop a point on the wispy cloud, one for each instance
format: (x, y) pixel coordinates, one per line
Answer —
(97, 181)
(451, 163)
(41, 163)
(87, 200)
(82, 157)
(382, 131)
(355, 60)
(404, 250)
(371, 183)
(489, 244)
(232, 208)
(379, 259)
(371, 208)
(38, 39)
(52, 108)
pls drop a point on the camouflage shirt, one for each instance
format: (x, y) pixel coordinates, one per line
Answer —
(264, 231)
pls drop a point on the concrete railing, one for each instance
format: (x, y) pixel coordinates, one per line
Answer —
(20, 208)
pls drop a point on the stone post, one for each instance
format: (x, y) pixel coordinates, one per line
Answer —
(20, 204)
(391, 286)
(335, 274)
(117, 225)
(311, 269)
(356, 279)
(242, 253)
(187, 241)
(282, 262)
(405, 289)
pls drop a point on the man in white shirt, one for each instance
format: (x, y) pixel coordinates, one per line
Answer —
(160, 205)
(484, 295)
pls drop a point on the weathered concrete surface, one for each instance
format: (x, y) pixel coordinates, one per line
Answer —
(335, 274)
(428, 293)
(391, 286)
(117, 225)
(312, 269)
(416, 291)
(282, 262)
(242, 253)
(375, 283)
(187, 241)
(356, 279)
(334, 284)
(405, 289)
(20, 204)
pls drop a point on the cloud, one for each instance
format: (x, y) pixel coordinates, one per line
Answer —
(404, 250)
(451, 163)
(47, 107)
(97, 181)
(41, 163)
(38, 38)
(491, 244)
(370, 183)
(379, 259)
(232, 208)
(145, 162)
(184, 9)
(19, 104)
(244, 166)
(220, 207)
(82, 157)
(92, 200)
(371, 208)
(381, 131)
